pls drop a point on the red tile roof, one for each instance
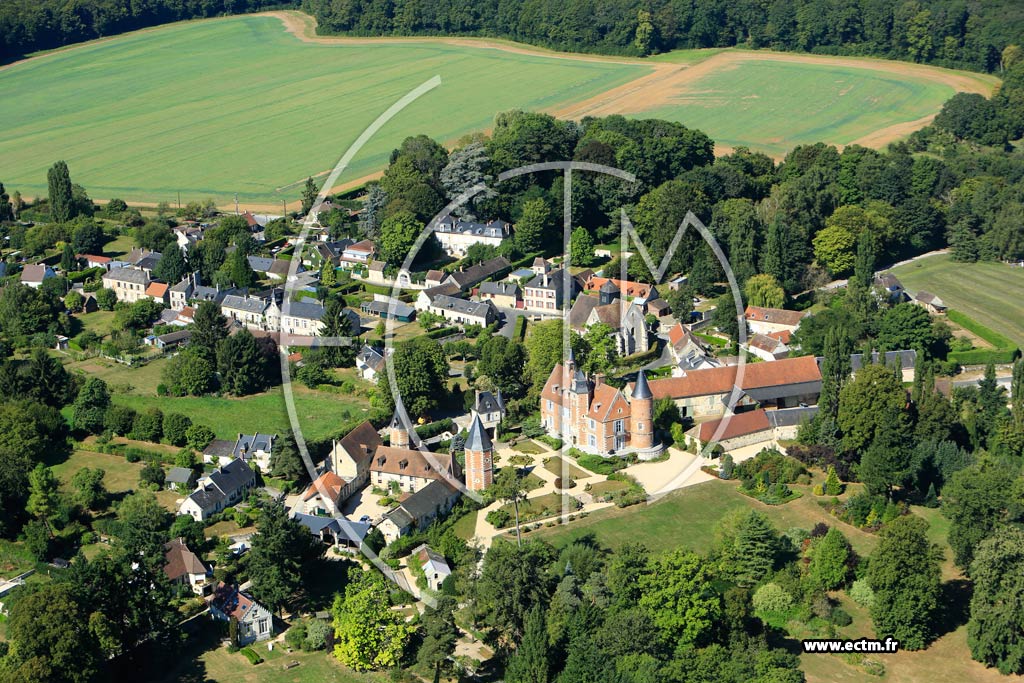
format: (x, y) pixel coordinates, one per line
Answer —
(608, 404)
(722, 380)
(626, 287)
(329, 483)
(740, 424)
(158, 289)
(776, 316)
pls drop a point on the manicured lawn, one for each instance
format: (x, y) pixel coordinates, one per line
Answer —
(529, 447)
(687, 518)
(605, 487)
(990, 293)
(320, 414)
(557, 466)
(465, 527)
(183, 123)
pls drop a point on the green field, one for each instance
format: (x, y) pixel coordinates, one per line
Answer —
(773, 105)
(687, 518)
(216, 107)
(237, 105)
(990, 293)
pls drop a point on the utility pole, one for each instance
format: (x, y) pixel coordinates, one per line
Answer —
(179, 200)
(236, 203)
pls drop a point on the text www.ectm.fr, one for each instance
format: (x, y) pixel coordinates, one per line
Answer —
(859, 645)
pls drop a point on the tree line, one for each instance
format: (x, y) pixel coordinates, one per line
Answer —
(942, 32)
(27, 27)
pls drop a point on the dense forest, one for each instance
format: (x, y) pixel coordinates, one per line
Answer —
(951, 33)
(944, 32)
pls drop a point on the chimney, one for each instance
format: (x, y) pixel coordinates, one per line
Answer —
(598, 379)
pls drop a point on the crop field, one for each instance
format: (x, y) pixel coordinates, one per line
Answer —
(251, 105)
(775, 105)
(991, 293)
(216, 107)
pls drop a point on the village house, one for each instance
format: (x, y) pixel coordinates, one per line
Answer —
(129, 284)
(457, 235)
(248, 310)
(255, 622)
(595, 416)
(419, 510)
(157, 291)
(33, 274)
(305, 318)
(768, 346)
(183, 567)
(687, 351)
(761, 320)
(890, 287)
(220, 489)
(345, 470)
(369, 362)
(94, 261)
(425, 299)
(501, 294)
(626, 288)
(464, 312)
(435, 568)
(357, 254)
(181, 479)
(707, 393)
(405, 466)
(549, 291)
(930, 302)
(490, 408)
(466, 278)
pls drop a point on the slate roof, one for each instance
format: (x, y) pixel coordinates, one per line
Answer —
(354, 532)
(477, 309)
(132, 275)
(428, 499)
(580, 311)
(247, 304)
(250, 443)
(906, 359)
(260, 264)
(232, 602)
(219, 447)
(307, 310)
(371, 357)
(468, 277)
(641, 390)
(489, 402)
(500, 288)
(178, 475)
(149, 261)
(379, 308)
(477, 438)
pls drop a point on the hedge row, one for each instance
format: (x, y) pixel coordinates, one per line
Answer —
(1005, 351)
(520, 329)
(443, 332)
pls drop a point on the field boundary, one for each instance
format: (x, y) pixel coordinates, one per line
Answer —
(1004, 351)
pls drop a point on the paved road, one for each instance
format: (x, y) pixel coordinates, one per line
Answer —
(664, 359)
